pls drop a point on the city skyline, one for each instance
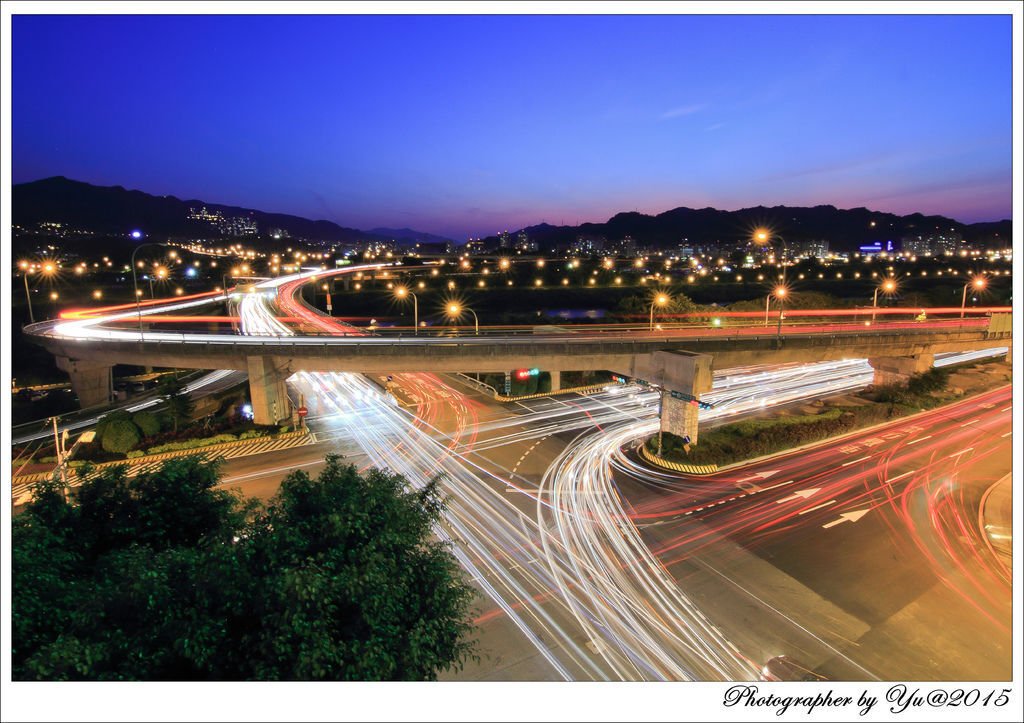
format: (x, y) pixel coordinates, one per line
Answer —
(786, 110)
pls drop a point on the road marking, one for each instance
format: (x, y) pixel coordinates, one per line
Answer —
(919, 439)
(976, 419)
(847, 464)
(826, 504)
(963, 451)
(799, 494)
(893, 479)
(759, 475)
(1007, 409)
(846, 517)
(1007, 434)
(781, 484)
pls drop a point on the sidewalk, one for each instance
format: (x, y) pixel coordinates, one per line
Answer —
(996, 519)
(21, 487)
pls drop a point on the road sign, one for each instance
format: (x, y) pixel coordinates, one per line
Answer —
(302, 411)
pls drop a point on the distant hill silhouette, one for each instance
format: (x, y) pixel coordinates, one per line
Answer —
(844, 229)
(115, 210)
(408, 234)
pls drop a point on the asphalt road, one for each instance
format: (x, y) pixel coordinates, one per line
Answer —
(869, 547)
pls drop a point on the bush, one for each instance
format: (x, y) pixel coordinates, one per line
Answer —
(191, 443)
(118, 415)
(120, 435)
(147, 422)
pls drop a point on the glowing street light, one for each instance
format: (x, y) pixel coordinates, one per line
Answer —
(455, 312)
(779, 292)
(978, 282)
(401, 292)
(25, 271)
(888, 286)
(135, 280)
(659, 300)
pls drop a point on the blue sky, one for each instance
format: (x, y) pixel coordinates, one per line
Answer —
(467, 125)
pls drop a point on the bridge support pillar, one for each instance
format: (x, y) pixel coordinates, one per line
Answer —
(556, 381)
(899, 369)
(689, 375)
(1009, 354)
(89, 380)
(267, 391)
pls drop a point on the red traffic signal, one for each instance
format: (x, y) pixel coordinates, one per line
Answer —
(524, 374)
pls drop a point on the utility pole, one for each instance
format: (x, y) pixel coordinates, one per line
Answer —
(59, 447)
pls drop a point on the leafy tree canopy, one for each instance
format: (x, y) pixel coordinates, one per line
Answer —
(166, 577)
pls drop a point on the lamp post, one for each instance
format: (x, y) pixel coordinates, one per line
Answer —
(455, 311)
(660, 300)
(135, 282)
(888, 286)
(765, 236)
(979, 284)
(780, 294)
(28, 297)
(401, 292)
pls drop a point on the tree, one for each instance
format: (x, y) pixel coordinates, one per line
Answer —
(119, 436)
(147, 422)
(177, 401)
(167, 577)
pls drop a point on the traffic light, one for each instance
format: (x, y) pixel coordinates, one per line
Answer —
(619, 378)
(524, 374)
(705, 405)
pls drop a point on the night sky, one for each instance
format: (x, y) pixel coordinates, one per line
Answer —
(470, 125)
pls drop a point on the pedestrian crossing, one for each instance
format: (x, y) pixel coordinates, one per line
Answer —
(21, 491)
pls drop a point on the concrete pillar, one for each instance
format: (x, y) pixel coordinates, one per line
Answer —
(267, 391)
(556, 381)
(899, 369)
(678, 417)
(89, 380)
(689, 375)
(1009, 354)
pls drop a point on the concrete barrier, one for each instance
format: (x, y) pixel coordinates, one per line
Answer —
(693, 469)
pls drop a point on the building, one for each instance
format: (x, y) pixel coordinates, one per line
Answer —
(936, 244)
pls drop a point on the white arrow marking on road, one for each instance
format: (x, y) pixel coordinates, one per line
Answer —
(799, 494)
(759, 475)
(847, 517)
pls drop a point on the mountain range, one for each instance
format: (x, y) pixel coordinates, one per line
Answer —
(844, 229)
(115, 211)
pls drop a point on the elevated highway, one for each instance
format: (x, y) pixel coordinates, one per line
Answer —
(87, 344)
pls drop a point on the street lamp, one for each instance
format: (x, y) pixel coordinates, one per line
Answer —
(780, 294)
(659, 300)
(25, 269)
(135, 280)
(888, 286)
(978, 283)
(764, 236)
(401, 292)
(455, 311)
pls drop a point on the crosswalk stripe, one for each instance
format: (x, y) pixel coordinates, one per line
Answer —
(21, 486)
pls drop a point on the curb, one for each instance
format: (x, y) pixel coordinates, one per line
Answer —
(567, 390)
(146, 459)
(694, 469)
(792, 450)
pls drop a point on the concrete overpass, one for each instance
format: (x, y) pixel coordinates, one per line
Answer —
(678, 360)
